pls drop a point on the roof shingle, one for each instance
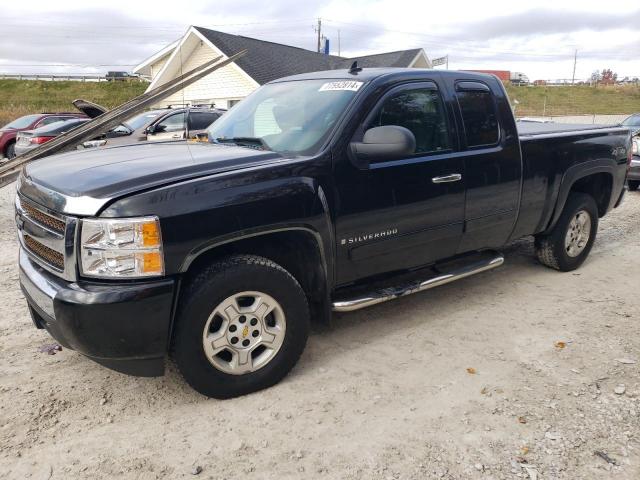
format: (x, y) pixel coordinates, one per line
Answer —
(267, 61)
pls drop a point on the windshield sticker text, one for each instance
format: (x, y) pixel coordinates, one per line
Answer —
(348, 85)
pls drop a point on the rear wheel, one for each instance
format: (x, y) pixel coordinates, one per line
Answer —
(568, 244)
(634, 184)
(242, 325)
(10, 151)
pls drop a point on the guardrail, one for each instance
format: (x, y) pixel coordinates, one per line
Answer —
(66, 77)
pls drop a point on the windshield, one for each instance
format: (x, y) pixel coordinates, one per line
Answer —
(141, 120)
(632, 121)
(22, 122)
(294, 117)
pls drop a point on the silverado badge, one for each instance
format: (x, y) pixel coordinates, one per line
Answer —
(369, 236)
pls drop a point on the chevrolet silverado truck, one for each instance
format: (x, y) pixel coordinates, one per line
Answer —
(321, 192)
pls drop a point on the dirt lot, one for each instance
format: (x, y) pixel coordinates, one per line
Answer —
(510, 374)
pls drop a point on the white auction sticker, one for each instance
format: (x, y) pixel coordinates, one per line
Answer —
(349, 85)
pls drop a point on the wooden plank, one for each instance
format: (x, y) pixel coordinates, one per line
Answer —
(71, 139)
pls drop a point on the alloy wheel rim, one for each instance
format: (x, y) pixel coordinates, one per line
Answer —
(244, 332)
(578, 234)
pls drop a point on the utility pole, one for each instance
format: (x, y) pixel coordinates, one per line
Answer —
(338, 42)
(575, 60)
(319, 31)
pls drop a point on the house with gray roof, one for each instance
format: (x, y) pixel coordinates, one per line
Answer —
(264, 62)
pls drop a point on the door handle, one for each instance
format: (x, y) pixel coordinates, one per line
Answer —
(177, 135)
(454, 177)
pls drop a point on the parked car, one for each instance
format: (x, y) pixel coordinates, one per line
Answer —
(327, 191)
(120, 76)
(9, 132)
(634, 170)
(30, 139)
(633, 123)
(159, 125)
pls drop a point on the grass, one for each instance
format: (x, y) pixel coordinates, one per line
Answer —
(575, 100)
(21, 97)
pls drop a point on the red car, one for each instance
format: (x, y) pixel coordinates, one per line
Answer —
(9, 132)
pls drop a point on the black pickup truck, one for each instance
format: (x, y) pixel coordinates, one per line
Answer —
(321, 192)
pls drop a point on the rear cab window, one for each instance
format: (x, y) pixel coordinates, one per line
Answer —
(479, 114)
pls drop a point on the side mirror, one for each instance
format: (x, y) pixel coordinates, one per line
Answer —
(388, 142)
(150, 129)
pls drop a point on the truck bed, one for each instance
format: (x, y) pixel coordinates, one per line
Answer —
(532, 129)
(551, 155)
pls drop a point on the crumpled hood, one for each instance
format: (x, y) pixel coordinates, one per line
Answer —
(103, 174)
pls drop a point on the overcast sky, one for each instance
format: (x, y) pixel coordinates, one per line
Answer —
(538, 37)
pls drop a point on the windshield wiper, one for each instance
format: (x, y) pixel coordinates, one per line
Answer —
(251, 142)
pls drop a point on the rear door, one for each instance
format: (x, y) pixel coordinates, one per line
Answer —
(403, 213)
(199, 121)
(492, 166)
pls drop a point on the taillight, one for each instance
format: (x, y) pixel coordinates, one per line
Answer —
(40, 140)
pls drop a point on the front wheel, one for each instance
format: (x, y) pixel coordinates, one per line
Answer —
(242, 325)
(634, 184)
(568, 244)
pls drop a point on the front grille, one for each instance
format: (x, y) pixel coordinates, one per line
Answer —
(53, 258)
(42, 218)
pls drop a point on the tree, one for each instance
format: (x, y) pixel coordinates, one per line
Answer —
(608, 77)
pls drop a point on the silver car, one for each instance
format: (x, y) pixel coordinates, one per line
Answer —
(30, 139)
(159, 125)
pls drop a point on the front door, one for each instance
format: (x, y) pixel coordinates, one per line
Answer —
(399, 214)
(171, 127)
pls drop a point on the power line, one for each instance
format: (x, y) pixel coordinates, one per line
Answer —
(154, 28)
(449, 43)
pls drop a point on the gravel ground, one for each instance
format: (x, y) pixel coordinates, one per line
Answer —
(522, 372)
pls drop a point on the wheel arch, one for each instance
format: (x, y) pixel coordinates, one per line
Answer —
(595, 178)
(7, 145)
(298, 249)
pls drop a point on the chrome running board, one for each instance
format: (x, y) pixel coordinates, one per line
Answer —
(440, 278)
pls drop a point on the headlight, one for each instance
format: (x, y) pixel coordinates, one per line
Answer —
(635, 148)
(117, 248)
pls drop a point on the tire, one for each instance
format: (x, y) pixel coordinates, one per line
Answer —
(230, 285)
(634, 184)
(552, 249)
(10, 151)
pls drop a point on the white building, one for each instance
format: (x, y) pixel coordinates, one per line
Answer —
(264, 61)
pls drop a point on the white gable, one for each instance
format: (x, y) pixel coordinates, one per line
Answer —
(152, 65)
(222, 87)
(421, 60)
